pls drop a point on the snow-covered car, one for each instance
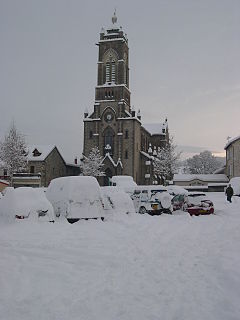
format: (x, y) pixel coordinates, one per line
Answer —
(195, 203)
(117, 201)
(152, 199)
(125, 183)
(27, 202)
(174, 190)
(75, 198)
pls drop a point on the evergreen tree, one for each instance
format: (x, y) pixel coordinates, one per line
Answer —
(93, 164)
(13, 152)
(165, 162)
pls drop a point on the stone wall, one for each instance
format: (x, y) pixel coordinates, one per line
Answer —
(233, 159)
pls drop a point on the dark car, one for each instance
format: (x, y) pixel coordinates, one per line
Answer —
(195, 203)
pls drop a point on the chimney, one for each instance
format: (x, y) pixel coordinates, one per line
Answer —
(133, 112)
(85, 113)
(139, 114)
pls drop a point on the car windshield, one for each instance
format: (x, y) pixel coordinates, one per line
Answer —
(153, 192)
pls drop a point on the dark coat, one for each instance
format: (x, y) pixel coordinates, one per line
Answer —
(229, 191)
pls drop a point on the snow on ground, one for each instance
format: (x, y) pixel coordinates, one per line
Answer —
(132, 268)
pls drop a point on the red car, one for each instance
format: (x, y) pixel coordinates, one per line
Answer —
(195, 203)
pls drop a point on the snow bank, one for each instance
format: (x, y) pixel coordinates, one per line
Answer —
(75, 197)
(170, 267)
(235, 183)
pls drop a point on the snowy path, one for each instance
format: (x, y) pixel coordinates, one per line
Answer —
(130, 268)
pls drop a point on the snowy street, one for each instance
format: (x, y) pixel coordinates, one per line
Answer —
(126, 268)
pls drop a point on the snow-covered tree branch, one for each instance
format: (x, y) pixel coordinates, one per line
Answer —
(13, 151)
(165, 163)
(93, 164)
(204, 163)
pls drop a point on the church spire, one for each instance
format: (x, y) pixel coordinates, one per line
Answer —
(114, 18)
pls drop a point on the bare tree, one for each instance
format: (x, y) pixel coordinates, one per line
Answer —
(93, 164)
(13, 151)
(204, 163)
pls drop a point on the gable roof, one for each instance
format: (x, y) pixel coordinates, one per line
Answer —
(43, 150)
(156, 128)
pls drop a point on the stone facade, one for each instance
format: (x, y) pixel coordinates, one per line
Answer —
(233, 158)
(114, 126)
(50, 167)
(49, 162)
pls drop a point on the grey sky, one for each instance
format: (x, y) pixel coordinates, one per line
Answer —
(184, 64)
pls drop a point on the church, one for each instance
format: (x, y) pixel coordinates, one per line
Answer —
(114, 126)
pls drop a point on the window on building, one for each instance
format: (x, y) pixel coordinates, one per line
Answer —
(109, 141)
(5, 172)
(90, 134)
(32, 169)
(113, 71)
(126, 134)
(108, 72)
(126, 154)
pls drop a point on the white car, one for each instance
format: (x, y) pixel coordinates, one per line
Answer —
(152, 199)
(125, 183)
(117, 201)
(75, 198)
(27, 202)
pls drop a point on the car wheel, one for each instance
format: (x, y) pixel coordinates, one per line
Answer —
(142, 210)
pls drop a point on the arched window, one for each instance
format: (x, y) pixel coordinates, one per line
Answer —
(110, 63)
(108, 72)
(113, 71)
(109, 141)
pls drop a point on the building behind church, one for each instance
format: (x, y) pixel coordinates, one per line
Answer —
(114, 126)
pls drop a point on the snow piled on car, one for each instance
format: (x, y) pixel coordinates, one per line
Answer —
(25, 202)
(75, 197)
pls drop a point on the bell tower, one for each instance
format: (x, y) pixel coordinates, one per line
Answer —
(113, 67)
(113, 126)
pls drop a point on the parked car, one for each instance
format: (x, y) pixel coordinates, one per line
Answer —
(75, 198)
(195, 203)
(125, 183)
(176, 190)
(117, 201)
(27, 202)
(152, 199)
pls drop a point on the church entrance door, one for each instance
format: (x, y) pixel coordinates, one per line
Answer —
(108, 175)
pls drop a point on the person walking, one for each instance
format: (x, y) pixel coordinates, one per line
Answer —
(229, 193)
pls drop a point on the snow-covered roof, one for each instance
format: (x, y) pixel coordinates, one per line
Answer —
(39, 152)
(119, 162)
(145, 154)
(231, 141)
(202, 177)
(156, 128)
(4, 182)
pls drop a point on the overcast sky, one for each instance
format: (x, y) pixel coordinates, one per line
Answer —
(184, 65)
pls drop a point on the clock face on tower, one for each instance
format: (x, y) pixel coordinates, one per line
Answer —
(108, 117)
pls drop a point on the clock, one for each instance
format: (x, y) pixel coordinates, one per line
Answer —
(108, 117)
